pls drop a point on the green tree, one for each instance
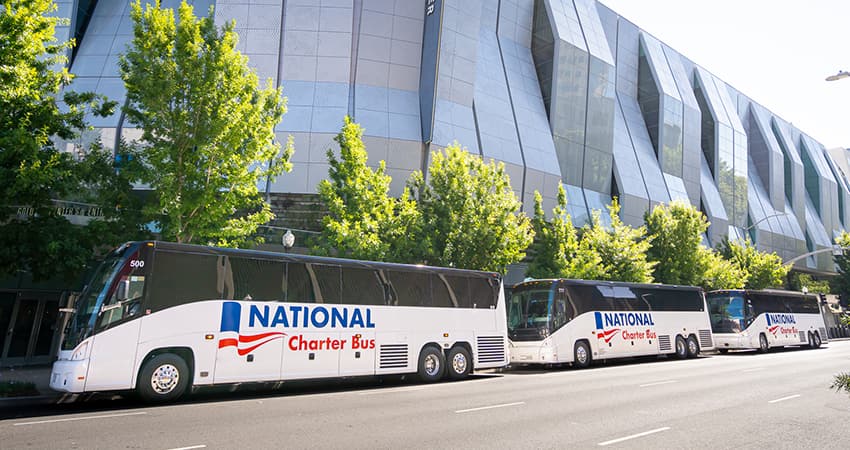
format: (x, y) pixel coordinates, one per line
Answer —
(207, 128)
(365, 222)
(33, 172)
(797, 281)
(621, 248)
(676, 231)
(558, 251)
(470, 215)
(841, 283)
(763, 269)
(720, 273)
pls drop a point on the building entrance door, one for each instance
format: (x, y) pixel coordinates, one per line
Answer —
(28, 327)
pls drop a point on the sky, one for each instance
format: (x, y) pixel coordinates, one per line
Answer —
(776, 52)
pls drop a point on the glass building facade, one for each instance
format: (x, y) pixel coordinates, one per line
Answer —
(560, 91)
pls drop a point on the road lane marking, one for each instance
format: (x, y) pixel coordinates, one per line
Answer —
(784, 398)
(645, 433)
(189, 448)
(753, 369)
(81, 418)
(460, 411)
(392, 390)
(657, 383)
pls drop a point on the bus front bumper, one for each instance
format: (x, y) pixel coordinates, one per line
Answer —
(532, 353)
(69, 376)
(731, 341)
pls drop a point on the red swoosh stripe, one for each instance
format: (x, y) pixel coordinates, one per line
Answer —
(234, 342)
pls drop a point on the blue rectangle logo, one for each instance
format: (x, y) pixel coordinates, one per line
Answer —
(230, 314)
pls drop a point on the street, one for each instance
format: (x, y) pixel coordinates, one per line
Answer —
(739, 400)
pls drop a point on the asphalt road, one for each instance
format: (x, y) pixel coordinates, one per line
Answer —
(739, 400)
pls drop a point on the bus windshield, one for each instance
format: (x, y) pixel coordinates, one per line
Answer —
(529, 314)
(728, 313)
(88, 305)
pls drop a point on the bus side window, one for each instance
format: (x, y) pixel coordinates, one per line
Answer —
(362, 287)
(299, 286)
(440, 295)
(559, 312)
(257, 279)
(412, 287)
(483, 292)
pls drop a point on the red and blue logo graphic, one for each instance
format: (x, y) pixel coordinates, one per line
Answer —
(774, 329)
(231, 314)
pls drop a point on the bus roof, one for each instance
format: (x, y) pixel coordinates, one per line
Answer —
(766, 291)
(296, 257)
(607, 283)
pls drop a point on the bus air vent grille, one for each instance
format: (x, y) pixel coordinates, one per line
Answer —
(664, 343)
(705, 339)
(491, 349)
(803, 337)
(823, 335)
(393, 356)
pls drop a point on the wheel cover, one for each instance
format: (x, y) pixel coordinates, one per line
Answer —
(817, 340)
(680, 346)
(432, 365)
(165, 379)
(692, 346)
(581, 354)
(459, 363)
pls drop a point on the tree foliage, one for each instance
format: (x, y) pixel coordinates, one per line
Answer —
(365, 222)
(676, 231)
(33, 172)
(470, 215)
(622, 248)
(762, 269)
(720, 273)
(841, 283)
(207, 128)
(558, 250)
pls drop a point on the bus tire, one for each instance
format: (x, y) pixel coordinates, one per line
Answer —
(764, 346)
(458, 363)
(817, 338)
(581, 355)
(681, 348)
(432, 364)
(693, 347)
(163, 378)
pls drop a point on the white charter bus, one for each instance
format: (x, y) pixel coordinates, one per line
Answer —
(578, 321)
(746, 319)
(161, 318)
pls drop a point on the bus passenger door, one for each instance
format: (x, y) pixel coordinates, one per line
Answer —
(357, 356)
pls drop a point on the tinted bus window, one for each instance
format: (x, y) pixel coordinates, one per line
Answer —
(588, 298)
(461, 290)
(299, 284)
(362, 287)
(180, 278)
(412, 288)
(672, 299)
(329, 280)
(440, 295)
(762, 303)
(257, 279)
(483, 292)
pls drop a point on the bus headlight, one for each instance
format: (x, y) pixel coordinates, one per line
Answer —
(80, 352)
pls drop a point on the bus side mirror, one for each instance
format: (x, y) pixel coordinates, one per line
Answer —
(122, 290)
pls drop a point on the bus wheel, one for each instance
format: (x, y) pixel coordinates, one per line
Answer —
(581, 355)
(693, 347)
(764, 347)
(817, 340)
(681, 348)
(458, 363)
(163, 378)
(432, 364)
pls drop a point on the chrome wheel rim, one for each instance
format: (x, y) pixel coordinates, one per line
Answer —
(692, 347)
(763, 342)
(680, 347)
(432, 365)
(581, 354)
(165, 379)
(459, 363)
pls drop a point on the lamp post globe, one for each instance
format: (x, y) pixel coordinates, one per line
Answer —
(288, 239)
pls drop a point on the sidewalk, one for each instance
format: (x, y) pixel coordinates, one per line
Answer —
(38, 375)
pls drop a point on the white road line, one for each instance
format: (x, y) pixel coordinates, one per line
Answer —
(460, 411)
(752, 370)
(189, 448)
(658, 383)
(645, 433)
(392, 390)
(784, 398)
(81, 418)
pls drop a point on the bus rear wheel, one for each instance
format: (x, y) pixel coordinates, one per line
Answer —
(581, 355)
(163, 378)
(681, 348)
(458, 363)
(816, 342)
(432, 364)
(693, 347)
